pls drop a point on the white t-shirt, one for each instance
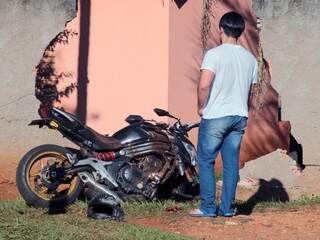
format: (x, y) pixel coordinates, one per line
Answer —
(235, 70)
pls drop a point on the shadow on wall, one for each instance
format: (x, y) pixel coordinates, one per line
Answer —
(269, 191)
(47, 79)
(266, 132)
(83, 80)
(266, 129)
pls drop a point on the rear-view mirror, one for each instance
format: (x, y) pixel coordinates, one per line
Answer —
(161, 112)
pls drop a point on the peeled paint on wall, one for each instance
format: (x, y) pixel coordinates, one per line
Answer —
(265, 132)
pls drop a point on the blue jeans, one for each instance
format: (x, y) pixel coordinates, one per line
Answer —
(217, 134)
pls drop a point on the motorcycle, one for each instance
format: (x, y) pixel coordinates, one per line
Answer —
(145, 160)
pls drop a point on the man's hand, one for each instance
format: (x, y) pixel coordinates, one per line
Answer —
(200, 112)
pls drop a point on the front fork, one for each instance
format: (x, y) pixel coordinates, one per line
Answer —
(190, 172)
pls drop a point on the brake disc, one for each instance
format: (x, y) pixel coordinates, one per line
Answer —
(47, 179)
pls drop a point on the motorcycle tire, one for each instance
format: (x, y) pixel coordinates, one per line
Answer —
(41, 199)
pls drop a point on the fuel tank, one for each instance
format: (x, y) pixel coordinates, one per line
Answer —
(142, 138)
(136, 133)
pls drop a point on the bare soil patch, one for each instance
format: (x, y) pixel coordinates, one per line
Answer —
(8, 189)
(294, 223)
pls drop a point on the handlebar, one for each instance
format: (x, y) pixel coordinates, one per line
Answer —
(192, 126)
(183, 128)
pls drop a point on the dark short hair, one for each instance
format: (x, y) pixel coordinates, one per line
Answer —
(233, 24)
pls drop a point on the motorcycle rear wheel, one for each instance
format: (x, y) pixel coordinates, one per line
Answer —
(33, 183)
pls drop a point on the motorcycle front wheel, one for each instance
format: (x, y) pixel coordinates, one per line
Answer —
(39, 185)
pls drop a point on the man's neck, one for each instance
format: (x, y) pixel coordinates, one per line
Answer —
(229, 40)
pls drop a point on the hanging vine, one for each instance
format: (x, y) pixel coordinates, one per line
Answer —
(206, 23)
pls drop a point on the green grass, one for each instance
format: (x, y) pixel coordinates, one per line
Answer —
(155, 208)
(17, 221)
(135, 209)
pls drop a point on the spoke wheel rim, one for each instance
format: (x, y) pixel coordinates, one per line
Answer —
(33, 174)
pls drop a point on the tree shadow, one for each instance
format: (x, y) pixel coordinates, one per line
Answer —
(47, 78)
(269, 191)
(59, 207)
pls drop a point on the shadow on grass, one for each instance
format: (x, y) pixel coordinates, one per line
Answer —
(269, 191)
(57, 208)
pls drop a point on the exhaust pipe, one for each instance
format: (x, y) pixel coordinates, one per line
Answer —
(89, 181)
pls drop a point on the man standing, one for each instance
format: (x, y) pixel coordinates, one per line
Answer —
(227, 73)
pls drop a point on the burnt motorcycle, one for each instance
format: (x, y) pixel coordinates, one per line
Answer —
(145, 160)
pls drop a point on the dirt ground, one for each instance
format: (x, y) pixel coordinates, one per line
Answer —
(8, 189)
(296, 223)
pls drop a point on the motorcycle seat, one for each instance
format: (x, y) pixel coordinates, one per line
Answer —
(92, 138)
(99, 141)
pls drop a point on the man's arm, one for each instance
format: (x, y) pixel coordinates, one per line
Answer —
(205, 82)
